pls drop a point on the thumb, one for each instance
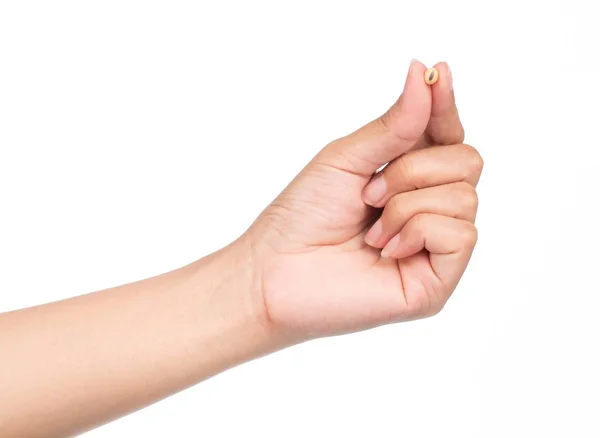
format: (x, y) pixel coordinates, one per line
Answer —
(389, 136)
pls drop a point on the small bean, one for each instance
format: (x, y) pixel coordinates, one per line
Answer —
(431, 76)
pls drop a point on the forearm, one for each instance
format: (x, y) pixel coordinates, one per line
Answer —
(111, 352)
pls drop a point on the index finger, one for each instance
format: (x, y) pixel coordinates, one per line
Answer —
(444, 125)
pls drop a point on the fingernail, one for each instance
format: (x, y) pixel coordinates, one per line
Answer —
(391, 246)
(374, 233)
(375, 190)
(450, 82)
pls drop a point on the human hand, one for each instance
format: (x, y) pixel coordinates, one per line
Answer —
(316, 249)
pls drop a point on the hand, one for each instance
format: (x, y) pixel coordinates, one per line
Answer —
(317, 248)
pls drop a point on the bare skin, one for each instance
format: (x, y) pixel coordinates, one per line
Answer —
(342, 249)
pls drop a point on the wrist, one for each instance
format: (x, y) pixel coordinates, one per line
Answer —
(231, 305)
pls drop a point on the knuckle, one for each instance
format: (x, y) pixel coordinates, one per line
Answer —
(390, 123)
(455, 134)
(394, 205)
(418, 223)
(406, 169)
(470, 235)
(474, 161)
(467, 195)
(396, 211)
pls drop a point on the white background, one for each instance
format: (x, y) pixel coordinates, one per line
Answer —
(137, 136)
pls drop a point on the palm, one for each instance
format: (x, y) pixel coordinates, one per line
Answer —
(342, 283)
